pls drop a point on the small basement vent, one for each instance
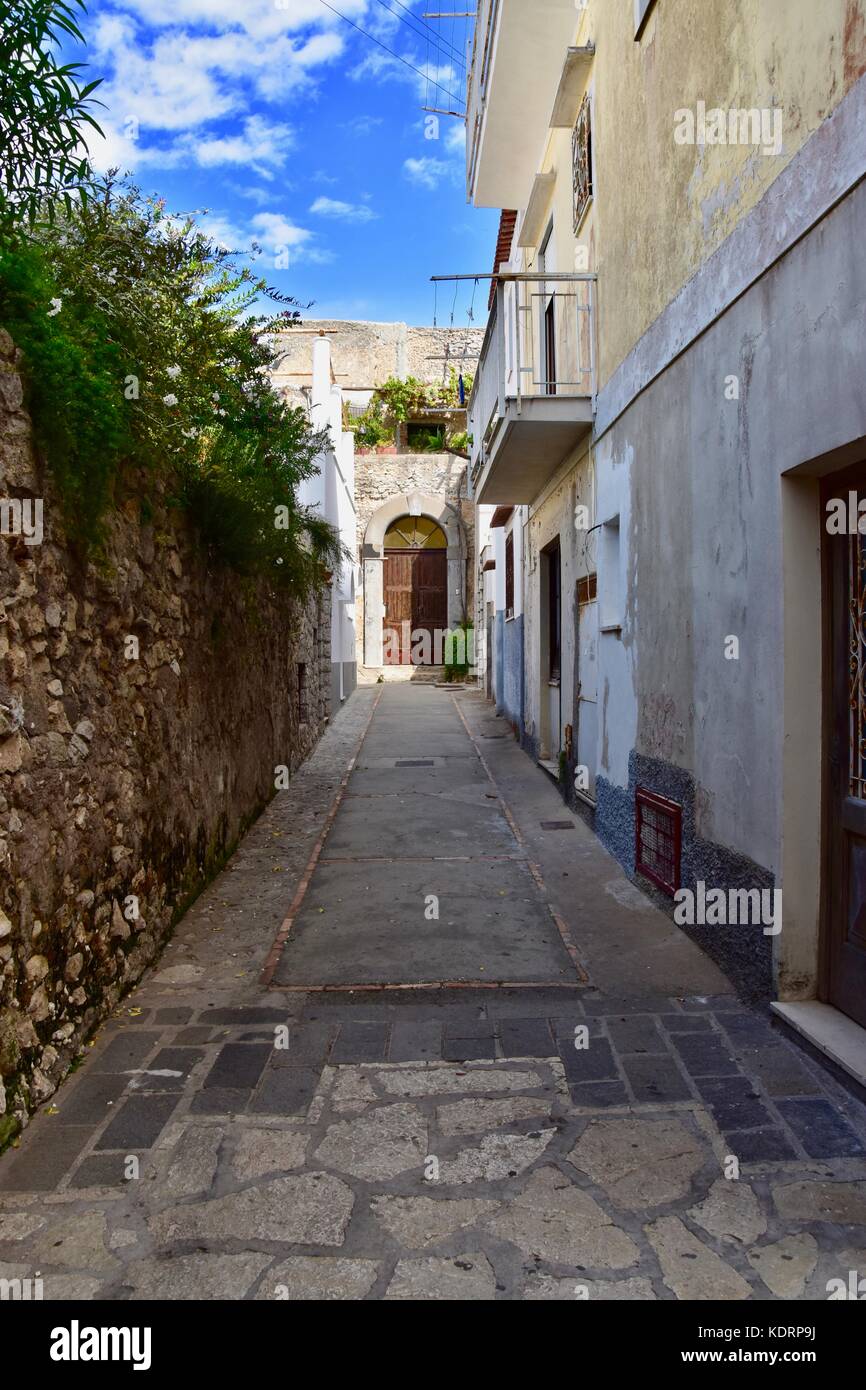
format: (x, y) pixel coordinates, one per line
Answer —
(658, 839)
(587, 588)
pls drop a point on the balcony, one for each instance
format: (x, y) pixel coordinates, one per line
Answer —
(517, 61)
(533, 398)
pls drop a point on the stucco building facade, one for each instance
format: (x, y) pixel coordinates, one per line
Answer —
(669, 395)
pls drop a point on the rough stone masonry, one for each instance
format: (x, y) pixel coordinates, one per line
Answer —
(145, 701)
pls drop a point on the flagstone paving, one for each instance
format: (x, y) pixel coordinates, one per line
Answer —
(602, 1137)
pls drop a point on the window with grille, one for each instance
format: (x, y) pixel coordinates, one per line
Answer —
(509, 575)
(658, 839)
(581, 158)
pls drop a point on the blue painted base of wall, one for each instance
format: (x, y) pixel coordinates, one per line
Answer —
(743, 952)
(508, 670)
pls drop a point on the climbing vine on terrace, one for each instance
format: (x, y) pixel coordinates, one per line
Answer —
(399, 400)
(403, 399)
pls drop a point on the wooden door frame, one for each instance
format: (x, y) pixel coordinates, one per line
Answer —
(832, 485)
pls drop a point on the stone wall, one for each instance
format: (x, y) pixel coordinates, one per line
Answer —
(367, 354)
(124, 779)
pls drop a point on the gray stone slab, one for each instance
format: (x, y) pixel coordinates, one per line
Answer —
(219, 1100)
(635, 1035)
(655, 1079)
(88, 1099)
(169, 1070)
(308, 1208)
(361, 1042)
(370, 928)
(415, 1041)
(285, 1091)
(126, 1051)
(139, 1122)
(44, 1157)
(101, 1170)
(238, 1066)
(468, 1049)
(526, 1037)
(309, 1042)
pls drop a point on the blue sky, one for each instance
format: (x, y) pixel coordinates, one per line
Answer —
(295, 130)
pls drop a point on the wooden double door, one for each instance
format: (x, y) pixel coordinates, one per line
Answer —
(416, 606)
(845, 766)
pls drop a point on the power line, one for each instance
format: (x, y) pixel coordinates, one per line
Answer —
(426, 33)
(388, 50)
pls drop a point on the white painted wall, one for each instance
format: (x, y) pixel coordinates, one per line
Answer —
(331, 492)
(617, 703)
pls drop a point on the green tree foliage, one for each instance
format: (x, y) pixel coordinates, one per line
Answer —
(142, 351)
(45, 110)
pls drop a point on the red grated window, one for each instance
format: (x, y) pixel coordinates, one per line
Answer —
(658, 839)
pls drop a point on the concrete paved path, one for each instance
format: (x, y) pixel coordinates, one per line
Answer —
(421, 878)
(628, 1130)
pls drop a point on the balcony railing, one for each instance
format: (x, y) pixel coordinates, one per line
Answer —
(535, 383)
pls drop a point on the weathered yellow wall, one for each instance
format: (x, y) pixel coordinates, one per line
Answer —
(660, 208)
(663, 208)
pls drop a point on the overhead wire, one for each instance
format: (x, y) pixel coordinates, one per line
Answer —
(426, 32)
(390, 51)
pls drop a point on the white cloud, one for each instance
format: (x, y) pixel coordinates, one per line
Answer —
(362, 125)
(442, 83)
(177, 67)
(260, 145)
(262, 19)
(273, 231)
(224, 232)
(253, 193)
(343, 212)
(428, 172)
(256, 144)
(455, 140)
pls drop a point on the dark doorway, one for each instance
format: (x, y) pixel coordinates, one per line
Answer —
(845, 753)
(554, 610)
(550, 347)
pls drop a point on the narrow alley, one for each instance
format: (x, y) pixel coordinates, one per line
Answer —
(423, 1039)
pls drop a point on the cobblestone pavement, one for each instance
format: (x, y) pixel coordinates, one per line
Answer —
(629, 1131)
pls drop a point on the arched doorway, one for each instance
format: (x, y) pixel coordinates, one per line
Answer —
(415, 592)
(408, 507)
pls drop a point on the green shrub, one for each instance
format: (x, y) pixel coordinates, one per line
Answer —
(372, 429)
(73, 374)
(140, 349)
(457, 651)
